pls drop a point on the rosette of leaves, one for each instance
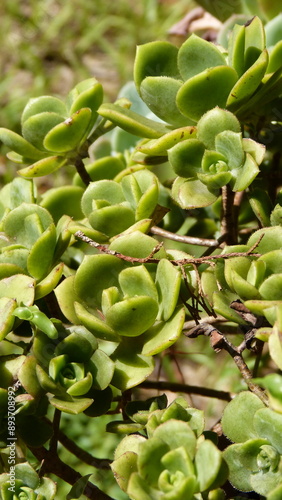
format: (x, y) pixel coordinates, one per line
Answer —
(134, 307)
(254, 461)
(113, 207)
(74, 372)
(28, 485)
(180, 85)
(173, 461)
(53, 132)
(217, 157)
(256, 281)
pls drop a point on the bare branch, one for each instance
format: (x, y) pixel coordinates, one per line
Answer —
(190, 240)
(187, 389)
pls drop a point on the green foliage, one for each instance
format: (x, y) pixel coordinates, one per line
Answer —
(93, 298)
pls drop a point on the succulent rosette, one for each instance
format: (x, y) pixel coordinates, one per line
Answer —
(112, 207)
(256, 281)
(74, 371)
(217, 157)
(23, 482)
(187, 464)
(134, 307)
(53, 131)
(254, 461)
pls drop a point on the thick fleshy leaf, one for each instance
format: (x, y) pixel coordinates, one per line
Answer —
(275, 346)
(236, 48)
(41, 254)
(105, 189)
(155, 59)
(136, 281)
(208, 462)
(94, 324)
(192, 193)
(156, 448)
(102, 369)
(215, 181)
(20, 145)
(271, 240)
(137, 244)
(67, 136)
(242, 462)
(186, 157)
(241, 409)
(132, 316)
(271, 288)
(254, 41)
(7, 306)
(245, 176)
(91, 96)
(268, 425)
(275, 58)
(132, 122)
(35, 128)
(82, 386)
(43, 167)
(221, 304)
(206, 90)
(168, 280)
(41, 104)
(248, 83)
(18, 287)
(66, 296)
(27, 377)
(230, 145)
(159, 93)
(167, 141)
(261, 205)
(74, 406)
(64, 200)
(112, 220)
(131, 368)
(213, 123)
(177, 433)
(124, 465)
(163, 334)
(196, 55)
(96, 273)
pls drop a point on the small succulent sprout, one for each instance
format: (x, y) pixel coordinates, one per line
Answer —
(53, 131)
(113, 207)
(187, 463)
(75, 371)
(254, 461)
(217, 157)
(117, 301)
(23, 482)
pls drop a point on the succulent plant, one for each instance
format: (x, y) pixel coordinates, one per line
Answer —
(173, 461)
(254, 460)
(24, 483)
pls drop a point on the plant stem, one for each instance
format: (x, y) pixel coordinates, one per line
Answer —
(228, 226)
(188, 389)
(190, 240)
(98, 463)
(81, 170)
(54, 465)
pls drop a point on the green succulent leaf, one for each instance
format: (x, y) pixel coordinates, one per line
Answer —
(168, 280)
(20, 145)
(132, 122)
(206, 90)
(196, 55)
(155, 59)
(213, 123)
(159, 93)
(208, 463)
(7, 306)
(186, 157)
(192, 193)
(42, 104)
(35, 128)
(163, 334)
(248, 83)
(242, 409)
(131, 368)
(43, 167)
(68, 135)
